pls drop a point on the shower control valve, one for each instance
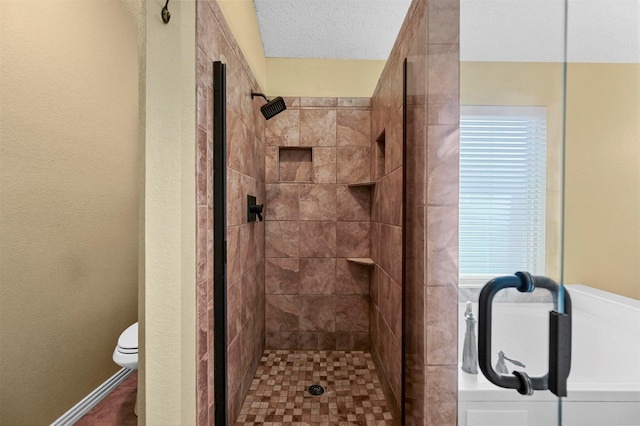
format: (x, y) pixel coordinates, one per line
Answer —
(254, 210)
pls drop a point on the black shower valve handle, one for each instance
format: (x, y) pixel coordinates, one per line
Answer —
(254, 209)
(257, 210)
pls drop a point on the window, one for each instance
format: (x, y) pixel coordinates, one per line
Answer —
(502, 191)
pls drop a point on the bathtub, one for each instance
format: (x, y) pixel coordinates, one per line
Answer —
(604, 384)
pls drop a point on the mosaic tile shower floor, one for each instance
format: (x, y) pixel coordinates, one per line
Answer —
(278, 394)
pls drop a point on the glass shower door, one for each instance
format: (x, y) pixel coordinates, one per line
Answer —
(512, 97)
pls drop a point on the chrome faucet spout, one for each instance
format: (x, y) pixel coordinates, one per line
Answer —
(470, 349)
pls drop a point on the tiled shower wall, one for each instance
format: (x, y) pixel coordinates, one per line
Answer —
(386, 236)
(315, 298)
(429, 41)
(245, 176)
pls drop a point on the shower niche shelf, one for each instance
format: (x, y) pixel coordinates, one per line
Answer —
(361, 261)
(362, 184)
(295, 164)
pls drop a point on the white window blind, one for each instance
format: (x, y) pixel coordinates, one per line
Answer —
(502, 191)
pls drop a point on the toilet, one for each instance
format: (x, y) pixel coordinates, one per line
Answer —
(126, 352)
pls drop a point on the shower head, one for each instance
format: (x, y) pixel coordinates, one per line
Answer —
(272, 108)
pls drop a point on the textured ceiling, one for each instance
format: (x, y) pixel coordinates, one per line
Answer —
(330, 29)
(490, 30)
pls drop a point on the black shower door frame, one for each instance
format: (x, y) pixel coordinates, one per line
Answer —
(219, 243)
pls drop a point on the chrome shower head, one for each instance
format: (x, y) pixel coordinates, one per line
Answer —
(273, 107)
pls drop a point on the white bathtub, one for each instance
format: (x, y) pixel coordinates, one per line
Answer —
(604, 384)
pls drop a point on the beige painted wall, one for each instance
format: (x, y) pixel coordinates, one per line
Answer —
(602, 221)
(322, 77)
(169, 348)
(68, 201)
(602, 225)
(243, 22)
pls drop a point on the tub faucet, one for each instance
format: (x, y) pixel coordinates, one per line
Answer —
(470, 349)
(501, 366)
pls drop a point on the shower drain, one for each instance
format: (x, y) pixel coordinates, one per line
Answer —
(316, 390)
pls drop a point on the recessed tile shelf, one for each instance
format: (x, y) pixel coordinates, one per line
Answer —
(361, 261)
(295, 164)
(359, 184)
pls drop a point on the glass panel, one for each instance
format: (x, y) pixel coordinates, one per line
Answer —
(602, 210)
(511, 170)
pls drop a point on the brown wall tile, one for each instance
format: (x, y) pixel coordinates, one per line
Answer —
(201, 243)
(282, 340)
(443, 82)
(351, 278)
(353, 164)
(284, 129)
(234, 366)
(443, 164)
(326, 341)
(352, 239)
(361, 341)
(374, 319)
(353, 128)
(308, 341)
(201, 167)
(247, 346)
(444, 21)
(318, 102)
(442, 326)
(441, 395)
(282, 276)
(442, 246)
(354, 102)
(374, 285)
(233, 254)
(282, 238)
(324, 165)
(251, 289)
(393, 143)
(317, 313)
(272, 170)
(394, 197)
(317, 127)
(317, 276)
(234, 310)
(391, 305)
(317, 202)
(282, 202)
(317, 239)
(236, 215)
(352, 313)
(291, 101)
(238, 144)
(282, 312)
(353, 203)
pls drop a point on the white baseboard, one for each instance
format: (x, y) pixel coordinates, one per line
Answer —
(88, 402)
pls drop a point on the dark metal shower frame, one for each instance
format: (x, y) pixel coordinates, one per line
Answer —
(219, 243)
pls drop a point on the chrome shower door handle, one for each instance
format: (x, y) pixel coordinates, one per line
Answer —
(559, 337)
